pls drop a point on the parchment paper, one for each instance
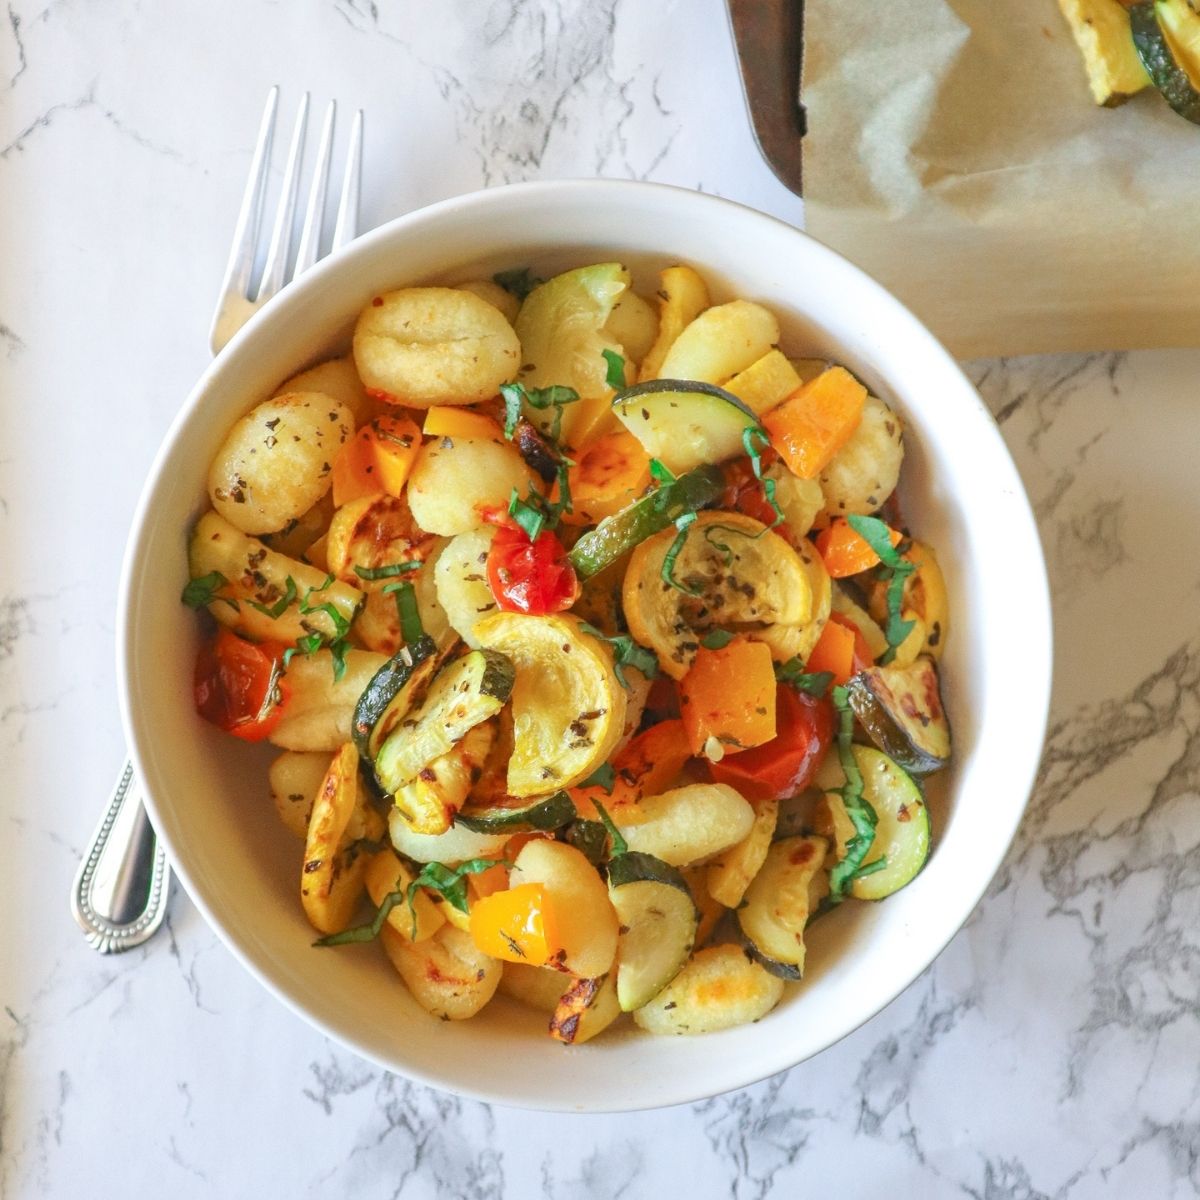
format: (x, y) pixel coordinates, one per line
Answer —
(954, 152)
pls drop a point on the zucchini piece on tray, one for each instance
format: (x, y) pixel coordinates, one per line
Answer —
(1166, 34)
(901, 709)
(1101, 31)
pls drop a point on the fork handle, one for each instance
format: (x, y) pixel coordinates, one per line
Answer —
(120, 892)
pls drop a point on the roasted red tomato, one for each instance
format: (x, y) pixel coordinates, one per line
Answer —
(239, 687)
(787, 763)
(530, 576)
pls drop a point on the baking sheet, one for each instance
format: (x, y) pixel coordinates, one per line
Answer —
(954, 152)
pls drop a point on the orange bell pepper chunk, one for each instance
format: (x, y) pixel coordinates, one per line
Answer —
(841, 649)
(516, 925)
(816, 421)
(377, 459)
(452, 421)
(397, 443)
(845, 552)
(608, 475)
(647, 766)
(729, 694)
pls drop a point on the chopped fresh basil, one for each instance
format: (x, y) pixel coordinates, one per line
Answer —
(390, 572)
(756, 434)
(555, 397)
(563, 470)
(408, 611)
(682, 524)
(276, 610)
(858, 808)
(619, 844)
(716, 639)
(897, 568)
(520, 281)
(528, 516)
(201, 592)
(661, 473)
(338, 648)
(615, 374)
(448, 882)
(792, 672)
(341, 626)
(371, 930)
(604, 776)
(305, 645)
(627, 653)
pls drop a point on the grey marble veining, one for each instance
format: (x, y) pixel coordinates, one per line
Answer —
(1050, 1052)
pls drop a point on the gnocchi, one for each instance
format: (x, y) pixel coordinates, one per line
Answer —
(514, 661)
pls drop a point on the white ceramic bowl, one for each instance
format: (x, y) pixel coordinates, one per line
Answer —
(207, 793)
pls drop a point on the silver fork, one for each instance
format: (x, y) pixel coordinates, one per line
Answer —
(119, 896)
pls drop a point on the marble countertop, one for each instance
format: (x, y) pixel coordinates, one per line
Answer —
(1049, 1052)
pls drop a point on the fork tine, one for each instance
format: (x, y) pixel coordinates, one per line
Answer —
(281, 235)
(346, 228)
(245, 232)
(314, 214)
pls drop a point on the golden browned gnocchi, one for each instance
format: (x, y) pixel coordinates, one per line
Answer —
(276, 462)
(570, 681)
(456, 482)
(426, 346)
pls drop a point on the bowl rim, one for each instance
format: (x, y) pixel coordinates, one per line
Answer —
(1036, 589)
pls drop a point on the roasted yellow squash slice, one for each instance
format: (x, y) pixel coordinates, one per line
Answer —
(568, 706)
(335, 862)
(739, 575)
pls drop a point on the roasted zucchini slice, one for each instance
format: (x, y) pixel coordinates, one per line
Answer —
(548, 812)
(561, 330)
(615, 536)
(1166, 34)
(740, 576)
(430, 801)
(901, 709)
(683, 423)
(1101, 29)
(386, 700)
(463, 694)
(456, 844)
(780, 901)
(901, 834)
(568, 706)
(658, 925)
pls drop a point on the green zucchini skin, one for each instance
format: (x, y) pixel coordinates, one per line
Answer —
(548, 813)
(464, 693)
(618, 534)
(1147, 21)
(901, 709)
(779, 903)
(635, 866)
(388, 696)
(684, 422)
(590, 837)
(902, 833)
(658, 925)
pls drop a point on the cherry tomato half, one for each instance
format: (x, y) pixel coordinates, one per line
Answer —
(786, 764)
(744, 491)
(530, 577)
(238, 685)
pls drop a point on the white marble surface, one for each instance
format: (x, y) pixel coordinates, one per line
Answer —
(1049, 1052)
